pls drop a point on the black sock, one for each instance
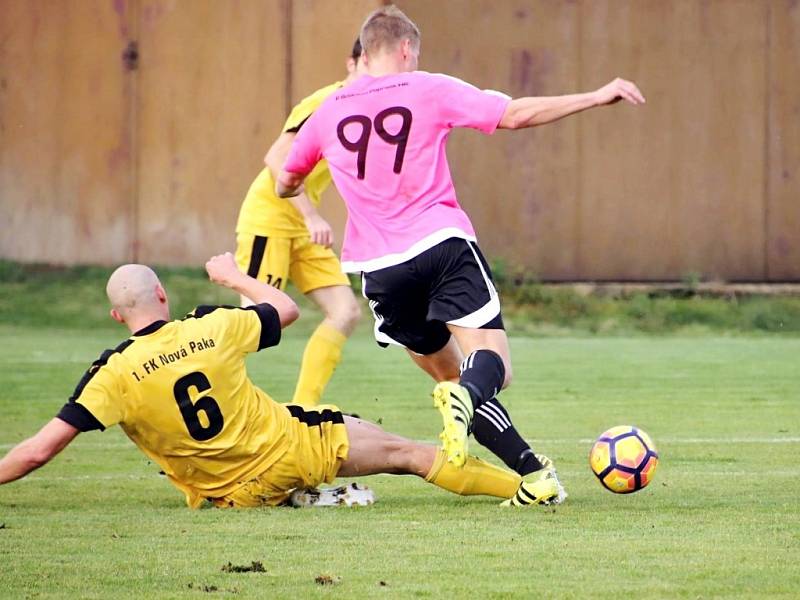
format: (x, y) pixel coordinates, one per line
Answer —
(493, 429)
(482, 373)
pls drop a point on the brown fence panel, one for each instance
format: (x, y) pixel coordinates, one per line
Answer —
(322, 35)
(211, 97)
(677, 186)
(100, 164)
(65, 148)
(783, 209)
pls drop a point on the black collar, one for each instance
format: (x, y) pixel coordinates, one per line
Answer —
(152, 328)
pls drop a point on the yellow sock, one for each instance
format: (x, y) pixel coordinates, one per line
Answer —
(323, 352)
(474, 478)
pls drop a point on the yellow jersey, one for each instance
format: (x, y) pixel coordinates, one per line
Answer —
(265, 213)
(181, 393)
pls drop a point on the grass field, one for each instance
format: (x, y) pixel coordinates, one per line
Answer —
(720, 520)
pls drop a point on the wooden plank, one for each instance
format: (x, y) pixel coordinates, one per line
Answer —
(211, 98)
(65, 145)
(783, 208)
(677, 186)
(690, 183)
(321, 40)
(520, 188)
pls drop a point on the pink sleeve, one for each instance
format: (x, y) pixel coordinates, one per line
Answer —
(305, 152)
(463, 105)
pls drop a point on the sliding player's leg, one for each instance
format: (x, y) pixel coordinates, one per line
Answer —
(373, 450)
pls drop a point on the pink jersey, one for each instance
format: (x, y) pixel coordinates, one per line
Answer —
(384, 139)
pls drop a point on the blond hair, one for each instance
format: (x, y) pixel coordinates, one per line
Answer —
(385, 28)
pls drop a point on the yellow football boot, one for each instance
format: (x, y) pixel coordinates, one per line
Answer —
(539, 487)
(455, 406)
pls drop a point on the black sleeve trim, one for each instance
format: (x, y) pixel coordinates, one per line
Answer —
(96, 366)
(267, 314)
(206, 309)
(79, 417)
(270, 325)
(297, 127)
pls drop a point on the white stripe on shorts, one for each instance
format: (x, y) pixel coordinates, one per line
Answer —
(379, 335)
(489, 310)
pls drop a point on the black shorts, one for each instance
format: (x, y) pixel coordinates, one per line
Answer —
(413, 301)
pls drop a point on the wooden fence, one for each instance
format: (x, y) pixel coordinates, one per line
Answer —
(131, 129)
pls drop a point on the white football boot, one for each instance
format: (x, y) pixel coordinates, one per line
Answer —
(351, 494)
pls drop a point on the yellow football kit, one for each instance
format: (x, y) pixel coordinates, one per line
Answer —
(180, 391)
(265, 218)
(273, 245)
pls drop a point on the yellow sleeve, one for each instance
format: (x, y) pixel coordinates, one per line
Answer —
(99, 392)
(249, 329)
(103, 399)
(306, 107)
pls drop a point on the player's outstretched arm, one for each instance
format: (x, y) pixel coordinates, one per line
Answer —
(532, 111)
(222, 270)
(37, 450)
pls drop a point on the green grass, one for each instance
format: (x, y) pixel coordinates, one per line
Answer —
(74, 298)
(720, 519)
(537, 309)
(720, 394)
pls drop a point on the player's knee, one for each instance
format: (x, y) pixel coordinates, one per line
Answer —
(345, 315)
(351, 313)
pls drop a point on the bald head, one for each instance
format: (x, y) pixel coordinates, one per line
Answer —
(136, 294)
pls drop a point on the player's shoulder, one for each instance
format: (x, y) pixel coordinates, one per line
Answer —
(109, 364)
(311, 102)
(241, 322)
(224, 313)
(304, 109)
(437, 79)
(443, 81)
(111, 354)
(209, 313)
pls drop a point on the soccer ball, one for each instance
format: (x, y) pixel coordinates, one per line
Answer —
(624, 459)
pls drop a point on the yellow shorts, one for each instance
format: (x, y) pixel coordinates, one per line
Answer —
(317, 446)
(276, 260)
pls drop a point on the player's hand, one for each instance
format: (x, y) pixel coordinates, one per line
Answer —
(222, 269)
(319, 230)
(619, 89)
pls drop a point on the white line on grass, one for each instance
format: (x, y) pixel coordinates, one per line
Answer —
(34, 478)
(733, 440)
(720, 441)
(563, 441)
(568, 472)
(101, 446)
